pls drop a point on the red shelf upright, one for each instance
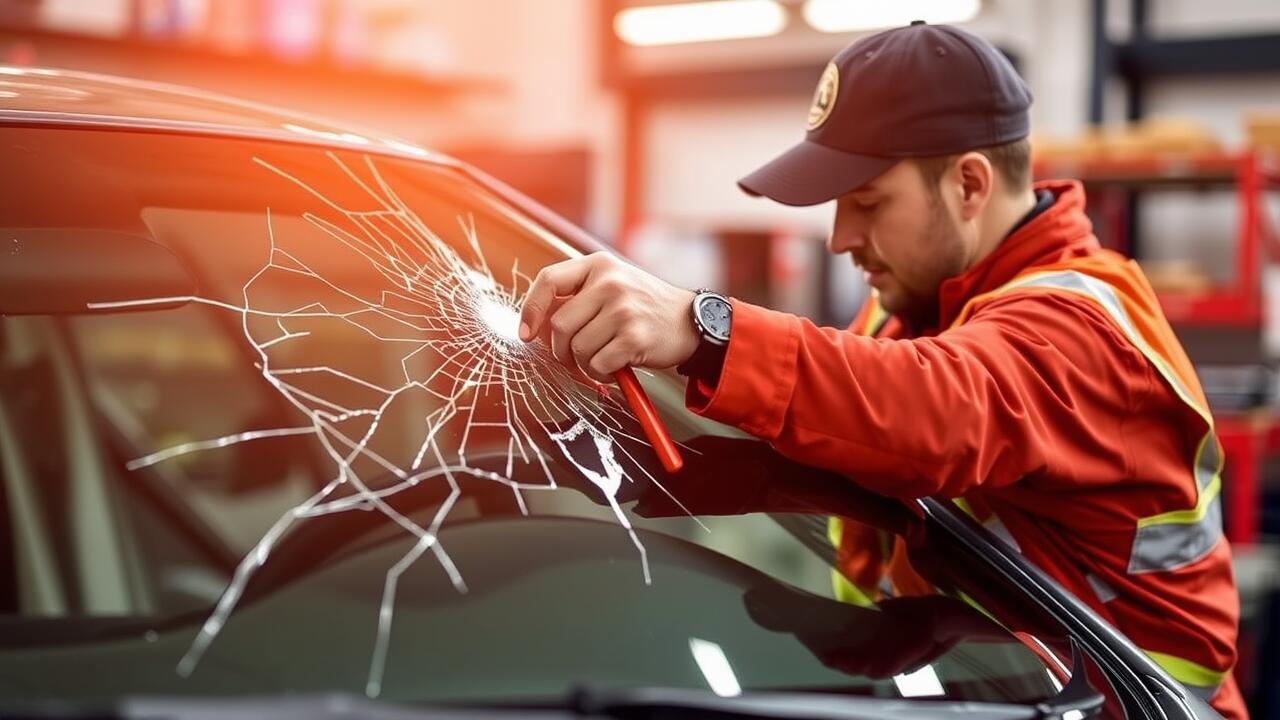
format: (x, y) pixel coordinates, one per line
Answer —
(1237, 303)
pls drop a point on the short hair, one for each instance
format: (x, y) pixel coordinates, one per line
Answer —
(1012, 161)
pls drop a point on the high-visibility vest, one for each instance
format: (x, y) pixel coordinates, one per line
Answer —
(1162, 543)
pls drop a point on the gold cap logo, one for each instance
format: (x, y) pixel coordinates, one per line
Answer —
(824, 98)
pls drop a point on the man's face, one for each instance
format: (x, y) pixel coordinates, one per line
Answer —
(905, 239)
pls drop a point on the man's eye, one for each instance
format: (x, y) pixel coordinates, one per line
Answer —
(863, 206)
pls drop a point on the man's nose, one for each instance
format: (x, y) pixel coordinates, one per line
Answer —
(848, 231)
(843, 240)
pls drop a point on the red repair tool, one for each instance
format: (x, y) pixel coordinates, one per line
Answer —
(644, 411)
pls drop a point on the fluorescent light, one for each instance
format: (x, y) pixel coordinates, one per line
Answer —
(699, 21)
(921, 683)
(715, 667)
(848, 15)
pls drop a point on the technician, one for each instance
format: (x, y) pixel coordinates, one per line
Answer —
(1005, 360)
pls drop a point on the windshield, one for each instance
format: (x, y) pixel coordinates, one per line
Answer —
(333, 467)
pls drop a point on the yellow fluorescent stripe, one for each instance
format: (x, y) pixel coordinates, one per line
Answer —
(1210, 437)
(978, 606)
(964, 505)
(874, 318)
(841, 588)
(847, 592)
(1205, 497)
(1167, 373)
(1187, 672)
(1186, 517)
(1107, 299)
(1029, 282)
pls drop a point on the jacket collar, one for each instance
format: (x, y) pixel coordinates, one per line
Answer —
(1061, 232)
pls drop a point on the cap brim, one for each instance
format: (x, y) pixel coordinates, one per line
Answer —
(810, 174)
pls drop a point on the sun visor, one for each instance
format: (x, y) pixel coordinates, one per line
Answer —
(68, 271)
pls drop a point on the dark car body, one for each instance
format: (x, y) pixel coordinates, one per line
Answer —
(208, 306)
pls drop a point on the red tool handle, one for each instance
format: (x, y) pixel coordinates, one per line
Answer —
(644, 411)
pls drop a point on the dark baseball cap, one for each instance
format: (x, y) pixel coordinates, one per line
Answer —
(912, 91)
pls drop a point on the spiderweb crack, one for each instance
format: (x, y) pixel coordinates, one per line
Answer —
(452, 326)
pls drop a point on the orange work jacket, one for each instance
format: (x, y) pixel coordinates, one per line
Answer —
(1053, 403)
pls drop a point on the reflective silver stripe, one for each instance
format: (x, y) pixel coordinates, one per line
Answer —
(993, 524)
(1209, 463)
(1172, 540)
(1164, 546)
(886, 586)
(1175, 539)
(1105, 296)
(1101, 588)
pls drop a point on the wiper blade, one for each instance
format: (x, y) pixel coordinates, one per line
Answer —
(672, 703)
(1077, 701)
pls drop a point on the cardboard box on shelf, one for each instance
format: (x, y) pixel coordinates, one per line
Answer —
(1176, 276)
(1263, 129)
(1164, 135)
(1153, 136)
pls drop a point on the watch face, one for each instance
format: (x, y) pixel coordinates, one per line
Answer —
(714, 315)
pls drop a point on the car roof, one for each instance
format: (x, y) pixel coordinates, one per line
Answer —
(69, 97)
(75, 99)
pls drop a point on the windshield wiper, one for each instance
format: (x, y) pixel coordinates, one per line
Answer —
(1076, 701)
(671, 704)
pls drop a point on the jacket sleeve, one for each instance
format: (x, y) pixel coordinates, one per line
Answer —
(1031, 382)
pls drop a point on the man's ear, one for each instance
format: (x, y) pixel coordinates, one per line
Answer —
(977, 183)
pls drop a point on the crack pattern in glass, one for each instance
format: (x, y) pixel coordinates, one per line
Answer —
(452, 326)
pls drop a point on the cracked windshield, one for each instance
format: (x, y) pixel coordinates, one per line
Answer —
(296, 445)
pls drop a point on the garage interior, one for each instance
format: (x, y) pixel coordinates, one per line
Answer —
(637, 130)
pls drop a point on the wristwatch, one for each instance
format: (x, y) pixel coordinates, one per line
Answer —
(713, 318)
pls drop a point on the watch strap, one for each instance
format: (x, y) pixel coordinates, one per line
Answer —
(708, 358)
(705, 363)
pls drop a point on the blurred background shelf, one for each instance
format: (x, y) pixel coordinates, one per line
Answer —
(1155, 169)
(1188, 296)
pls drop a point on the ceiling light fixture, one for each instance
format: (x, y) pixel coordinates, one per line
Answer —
(699, 21)
(852, 15)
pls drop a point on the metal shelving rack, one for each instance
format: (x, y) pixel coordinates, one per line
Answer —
(1142, 58)
(1112, 181)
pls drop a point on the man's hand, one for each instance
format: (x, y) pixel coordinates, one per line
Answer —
(601, 314)
(900, 635)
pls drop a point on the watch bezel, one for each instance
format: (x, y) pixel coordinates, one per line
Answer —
(701, 298)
